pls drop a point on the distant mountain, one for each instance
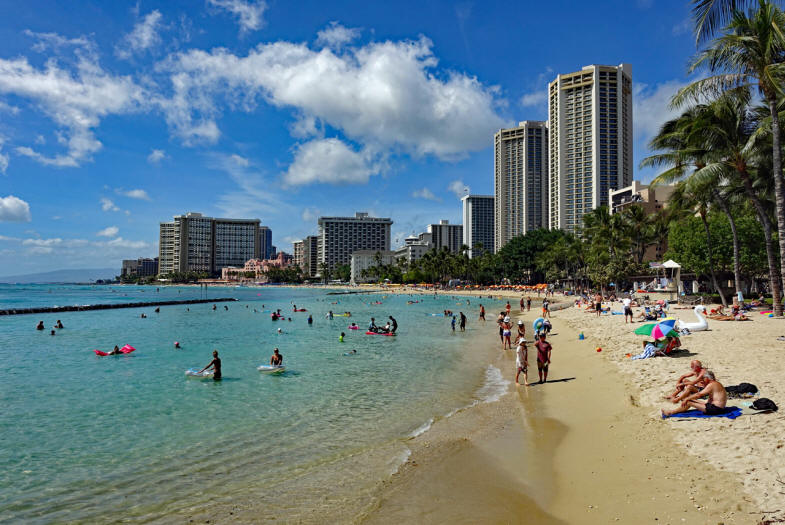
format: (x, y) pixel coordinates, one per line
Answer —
(62, 276)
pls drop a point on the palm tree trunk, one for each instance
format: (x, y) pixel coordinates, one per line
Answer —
(736, 252)
(774, 269)
(711, 259)
(779, 190)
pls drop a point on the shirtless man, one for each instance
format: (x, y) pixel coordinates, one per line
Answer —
(215, 364)
(543, 357)
(598, 304)
(482, 313)
(276, 359)
(686, 387)
(713, 406)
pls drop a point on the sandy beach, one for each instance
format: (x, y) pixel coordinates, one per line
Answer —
(584, 448)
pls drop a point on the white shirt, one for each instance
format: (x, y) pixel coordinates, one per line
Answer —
(520, 357)
(626, 301)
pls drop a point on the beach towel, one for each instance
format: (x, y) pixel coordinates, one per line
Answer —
(730, 413)
(648, 352)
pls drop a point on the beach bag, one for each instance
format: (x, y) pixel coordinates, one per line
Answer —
(766, 404)
(741, 390)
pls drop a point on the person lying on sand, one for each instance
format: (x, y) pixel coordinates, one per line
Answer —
(714, 405)
(686, 386)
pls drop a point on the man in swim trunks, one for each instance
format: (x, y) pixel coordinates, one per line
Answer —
(598, 304)
(543, 357)
(463, 322)
(713, 406)
(394, 324)
(627, 302)
(482, 313)
(522, 362)
(276, 359)
(215, 364)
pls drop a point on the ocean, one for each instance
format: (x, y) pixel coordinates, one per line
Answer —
(98, 439)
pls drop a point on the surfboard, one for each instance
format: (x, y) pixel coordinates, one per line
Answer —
(271, 369)
(378, 333)
(194, 372)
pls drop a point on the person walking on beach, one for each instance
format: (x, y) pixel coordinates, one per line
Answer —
(482, 313)
(507, 333)
(543, 357)
(521, 329)
(529, 303)
(463, 322)
(522, 362)
(627, 302)
(215, 364)
(598, 303)
(500, 322)
(546, 311)
(522, 303)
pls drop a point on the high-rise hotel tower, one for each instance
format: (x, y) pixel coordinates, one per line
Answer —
(520, 182)
(590, 120)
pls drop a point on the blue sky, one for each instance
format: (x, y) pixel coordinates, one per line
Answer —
(115, 116)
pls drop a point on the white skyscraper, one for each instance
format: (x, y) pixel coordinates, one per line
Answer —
(590, 118)
(478, 223)
(520, 182)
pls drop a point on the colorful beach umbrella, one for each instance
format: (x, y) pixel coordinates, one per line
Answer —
(661, 330)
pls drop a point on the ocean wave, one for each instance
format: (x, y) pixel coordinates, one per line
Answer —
(422, 429)
(494, 386)
(399, 460)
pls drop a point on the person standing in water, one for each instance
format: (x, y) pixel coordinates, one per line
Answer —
(310, 319)
(482, 313)
(276, 359)
(394, 324)
(463, 322)
(215, 364)
(528, 303)
(40, 325)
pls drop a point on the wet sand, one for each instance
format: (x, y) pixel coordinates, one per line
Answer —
(579, 449)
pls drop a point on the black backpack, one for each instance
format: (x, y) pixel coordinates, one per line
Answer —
(742, 389)
(764, 403)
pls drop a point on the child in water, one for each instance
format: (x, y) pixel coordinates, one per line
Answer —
(340, 339)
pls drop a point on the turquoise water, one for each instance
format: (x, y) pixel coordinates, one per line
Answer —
(87, 438)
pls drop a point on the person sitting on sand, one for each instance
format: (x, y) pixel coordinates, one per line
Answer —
(40, 325)
(713, 406)
(522, 361)
(276, 359)
(215, 364)
(686, 386)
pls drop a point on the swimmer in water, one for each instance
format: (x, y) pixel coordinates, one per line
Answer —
(40, 325)
(52, 332)
(58, 324)
(351, 352)
(215, 364)
(276, 359)
(143, 316)
(310, 319)
(280, 331)
(340, 339)
(177, 344)
(158, 310)
(214, 307)
(115, 351)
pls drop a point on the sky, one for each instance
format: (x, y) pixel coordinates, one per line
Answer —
(115, 116)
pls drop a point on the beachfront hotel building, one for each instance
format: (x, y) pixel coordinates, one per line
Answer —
(478, 223)
(363, 259)
(413, 249)
(311, 256)
(266, 248)
(340, 237)
(195, 243)
(520, 181)
(297, 251)
(590, 143)
(446, 235)
(142, 267)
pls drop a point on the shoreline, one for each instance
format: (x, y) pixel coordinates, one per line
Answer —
(579, 450)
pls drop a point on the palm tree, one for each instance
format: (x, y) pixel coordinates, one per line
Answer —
(749, 56)
(709, 15)
(638, 226)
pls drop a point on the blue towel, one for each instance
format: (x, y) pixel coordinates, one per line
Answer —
(730, 413)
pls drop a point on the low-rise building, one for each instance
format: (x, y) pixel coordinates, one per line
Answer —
(364, 259)
(651, 199)
(256, 269)
(414, 248)
(142, 267)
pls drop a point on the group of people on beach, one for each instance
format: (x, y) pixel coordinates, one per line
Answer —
(695, 385)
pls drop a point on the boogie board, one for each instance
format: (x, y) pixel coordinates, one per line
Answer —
(194, 372)
(379, 333)
(271, 369)
(127, 349)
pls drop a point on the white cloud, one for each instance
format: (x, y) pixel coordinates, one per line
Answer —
(3, 158)
(42, 242)
(109, 231)
(335, 35)
(14, 209)
(537, 98)
(458, 188)
(248, 13)
(240, 161)
(651, 109)
(310, 215)
(108, 205)
(143, 36)
(54, 41)
(682, 28)
(382, 95)
(124, 243)
(134, 194)
(7, 108)
(8, 239)
(76, 101)
(156, 156)
(329, 161)
(425, 193)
